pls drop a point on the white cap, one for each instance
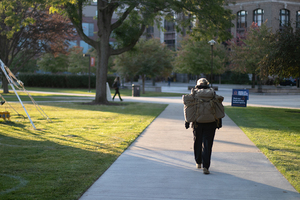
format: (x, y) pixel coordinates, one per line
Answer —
(203, 82)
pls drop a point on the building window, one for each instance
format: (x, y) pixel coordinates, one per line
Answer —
(298, 19)
(72, 44)
(170, 43)
(258, 16)
(85, 46)
(169, 26)
(192, 23)
(284, 17)
(169, 35)
(149, 32)
(88, 29)
(241, 22)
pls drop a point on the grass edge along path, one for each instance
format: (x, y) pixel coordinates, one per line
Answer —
(276, 132)
(61, 94)
(123, 92)
(61, 160)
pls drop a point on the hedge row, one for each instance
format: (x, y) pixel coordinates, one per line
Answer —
(59, 81)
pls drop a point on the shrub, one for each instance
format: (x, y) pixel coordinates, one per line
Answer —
(60, 80)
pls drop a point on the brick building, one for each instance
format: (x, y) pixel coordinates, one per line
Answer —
(277, 13)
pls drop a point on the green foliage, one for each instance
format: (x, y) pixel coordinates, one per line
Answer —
(76, 62)
(56, 81)
(194, 57)
(29, 66)
(79, 64)
(73, 62)
(276, 132)
(51, 63)
(246, 52)
(133, 18)
(129, 30)
(211, 18)
(27, 29)
(283, 59)
(14, 19)
(232, 77)
(149, 57)
(59, 81)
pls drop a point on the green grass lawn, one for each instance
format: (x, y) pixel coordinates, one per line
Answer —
(124, 92)
(38, 97)
(60, 160)
(60, 96)
(276, 132)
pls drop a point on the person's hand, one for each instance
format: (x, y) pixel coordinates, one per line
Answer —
(187, 125)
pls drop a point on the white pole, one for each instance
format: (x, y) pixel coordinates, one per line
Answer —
(22, 105)
(10, 82)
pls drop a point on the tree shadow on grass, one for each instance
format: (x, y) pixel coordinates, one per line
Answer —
(120, 107)
(50, 170)
(11, 123)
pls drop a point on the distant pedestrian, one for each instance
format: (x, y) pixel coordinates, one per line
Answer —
(205, 127)
(169, 80)
(116, 86)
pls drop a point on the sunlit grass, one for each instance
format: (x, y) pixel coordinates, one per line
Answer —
(276, 132)
(62, 158)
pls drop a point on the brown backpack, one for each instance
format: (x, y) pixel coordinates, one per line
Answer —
(203, 106)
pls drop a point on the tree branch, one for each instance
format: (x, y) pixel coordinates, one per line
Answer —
(131, 45)
(123, 17)
(78, 27)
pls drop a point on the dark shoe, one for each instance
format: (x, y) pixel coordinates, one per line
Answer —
(2, 102)
(198, 166)
(121, 99)
(206, 171)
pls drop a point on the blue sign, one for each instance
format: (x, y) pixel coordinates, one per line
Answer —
(240, 101)
(240, 92)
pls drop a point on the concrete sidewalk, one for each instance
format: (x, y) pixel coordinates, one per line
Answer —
(160, 165)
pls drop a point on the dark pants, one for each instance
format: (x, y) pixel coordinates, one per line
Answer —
(117, 92)
(204, 134)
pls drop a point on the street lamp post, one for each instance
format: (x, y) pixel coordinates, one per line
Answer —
(88, 55)
(212, 43)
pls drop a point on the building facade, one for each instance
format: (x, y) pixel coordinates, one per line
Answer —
(276, 14)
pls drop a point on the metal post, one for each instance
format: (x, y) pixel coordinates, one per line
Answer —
(89, 73)
(88, 55)
(212, 43)
(211, 71)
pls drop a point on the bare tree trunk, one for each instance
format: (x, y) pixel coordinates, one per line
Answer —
(4, 84)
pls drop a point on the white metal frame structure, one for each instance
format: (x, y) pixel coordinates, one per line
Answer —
(12, 86)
